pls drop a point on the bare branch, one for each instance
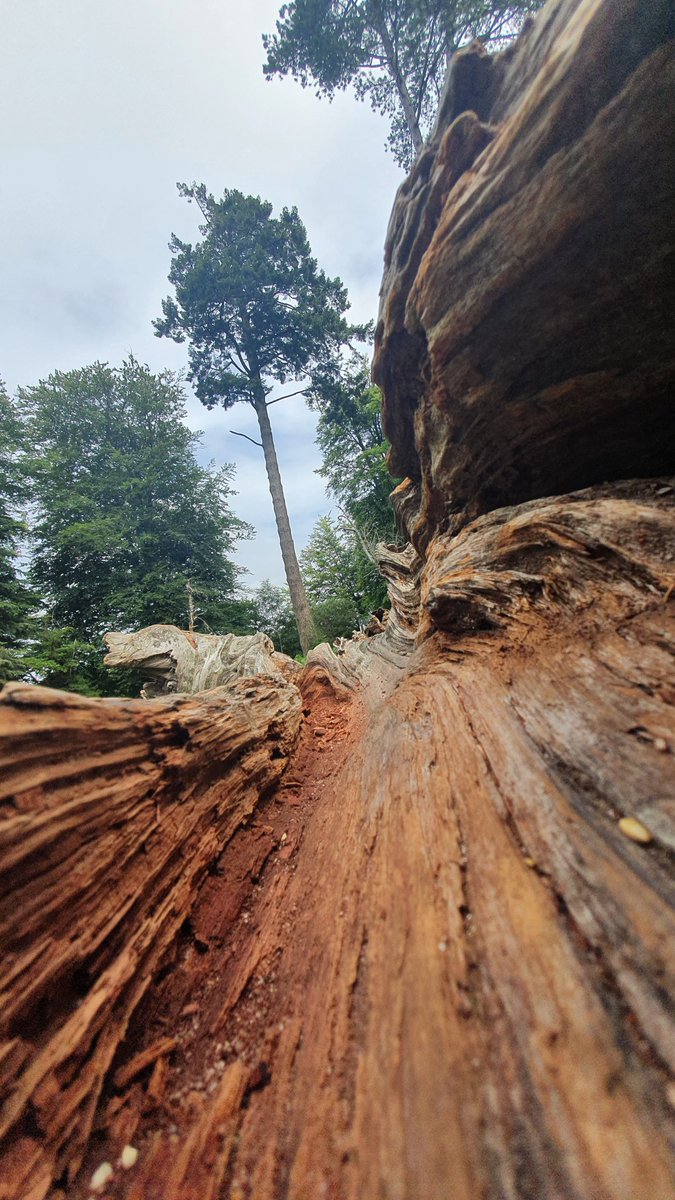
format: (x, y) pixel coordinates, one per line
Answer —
(248, 439)
(286, 397)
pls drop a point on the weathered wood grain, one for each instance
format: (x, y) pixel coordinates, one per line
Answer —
(175, 660)
(436, 966)
(460, 983)
(524, 344)
(111, 813)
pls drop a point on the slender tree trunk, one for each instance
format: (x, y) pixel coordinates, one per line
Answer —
(296, 586)
(380, 25)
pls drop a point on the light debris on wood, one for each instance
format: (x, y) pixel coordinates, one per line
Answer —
(128, 1158)
(635, 830)
(101, 1177)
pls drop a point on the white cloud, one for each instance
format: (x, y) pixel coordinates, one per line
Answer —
(104, 107)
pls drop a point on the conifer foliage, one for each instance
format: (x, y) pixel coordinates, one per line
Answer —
(256, 310)
(394, 53)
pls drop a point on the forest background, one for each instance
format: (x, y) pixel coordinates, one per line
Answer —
(109, 515)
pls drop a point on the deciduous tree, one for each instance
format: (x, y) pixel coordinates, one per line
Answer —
(354, 448)
(16, 599)
(343, 582)
(125, 517)
(272, 613)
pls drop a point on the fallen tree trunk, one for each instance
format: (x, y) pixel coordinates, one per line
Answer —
(440, 961)
(112, 813)
(177, 661)
(453, 977)
(523, 341)
(464, 986)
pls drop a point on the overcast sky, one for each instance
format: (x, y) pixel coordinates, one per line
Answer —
(106, 105)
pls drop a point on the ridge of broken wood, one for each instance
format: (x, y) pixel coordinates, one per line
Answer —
(461, 926)
(435, 956)
(112, 813)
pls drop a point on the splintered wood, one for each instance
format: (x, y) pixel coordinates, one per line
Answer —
(435, 960)
(112, 813)
(433, 965)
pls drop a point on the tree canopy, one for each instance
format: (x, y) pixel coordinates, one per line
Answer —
(343, 582)
(256, 310)
(395, 53)
(16, 600)
(250, 299)
(124, 516)
(354, 448)
(272, 613)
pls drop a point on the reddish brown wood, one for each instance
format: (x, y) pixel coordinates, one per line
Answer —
(112, 812)
(432, 963)
(452, 975)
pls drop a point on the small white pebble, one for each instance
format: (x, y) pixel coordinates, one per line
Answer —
(101, 1177)
(660, 744)
(128, 1157)
(442, 946)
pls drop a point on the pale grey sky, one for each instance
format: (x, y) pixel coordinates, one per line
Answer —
(105, 105)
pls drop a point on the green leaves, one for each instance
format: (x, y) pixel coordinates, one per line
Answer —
(354, 449)
(339, 563)
(394, 53)
(251, 300)
(342, 580)
(124, 516)
(16, 600)
(256, 309)
(272, 613)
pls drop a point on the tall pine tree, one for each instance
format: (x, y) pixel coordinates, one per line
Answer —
(256, 310)
(393, 52)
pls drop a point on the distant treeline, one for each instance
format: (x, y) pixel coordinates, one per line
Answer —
(107, 521)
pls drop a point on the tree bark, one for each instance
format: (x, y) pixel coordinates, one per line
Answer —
(171, 660)
(573, 200)
(455, 981)
(296, 587)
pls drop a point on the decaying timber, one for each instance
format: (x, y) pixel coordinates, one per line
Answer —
(176, 661)
(439, 960)
(524, 341)
(112, 813)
